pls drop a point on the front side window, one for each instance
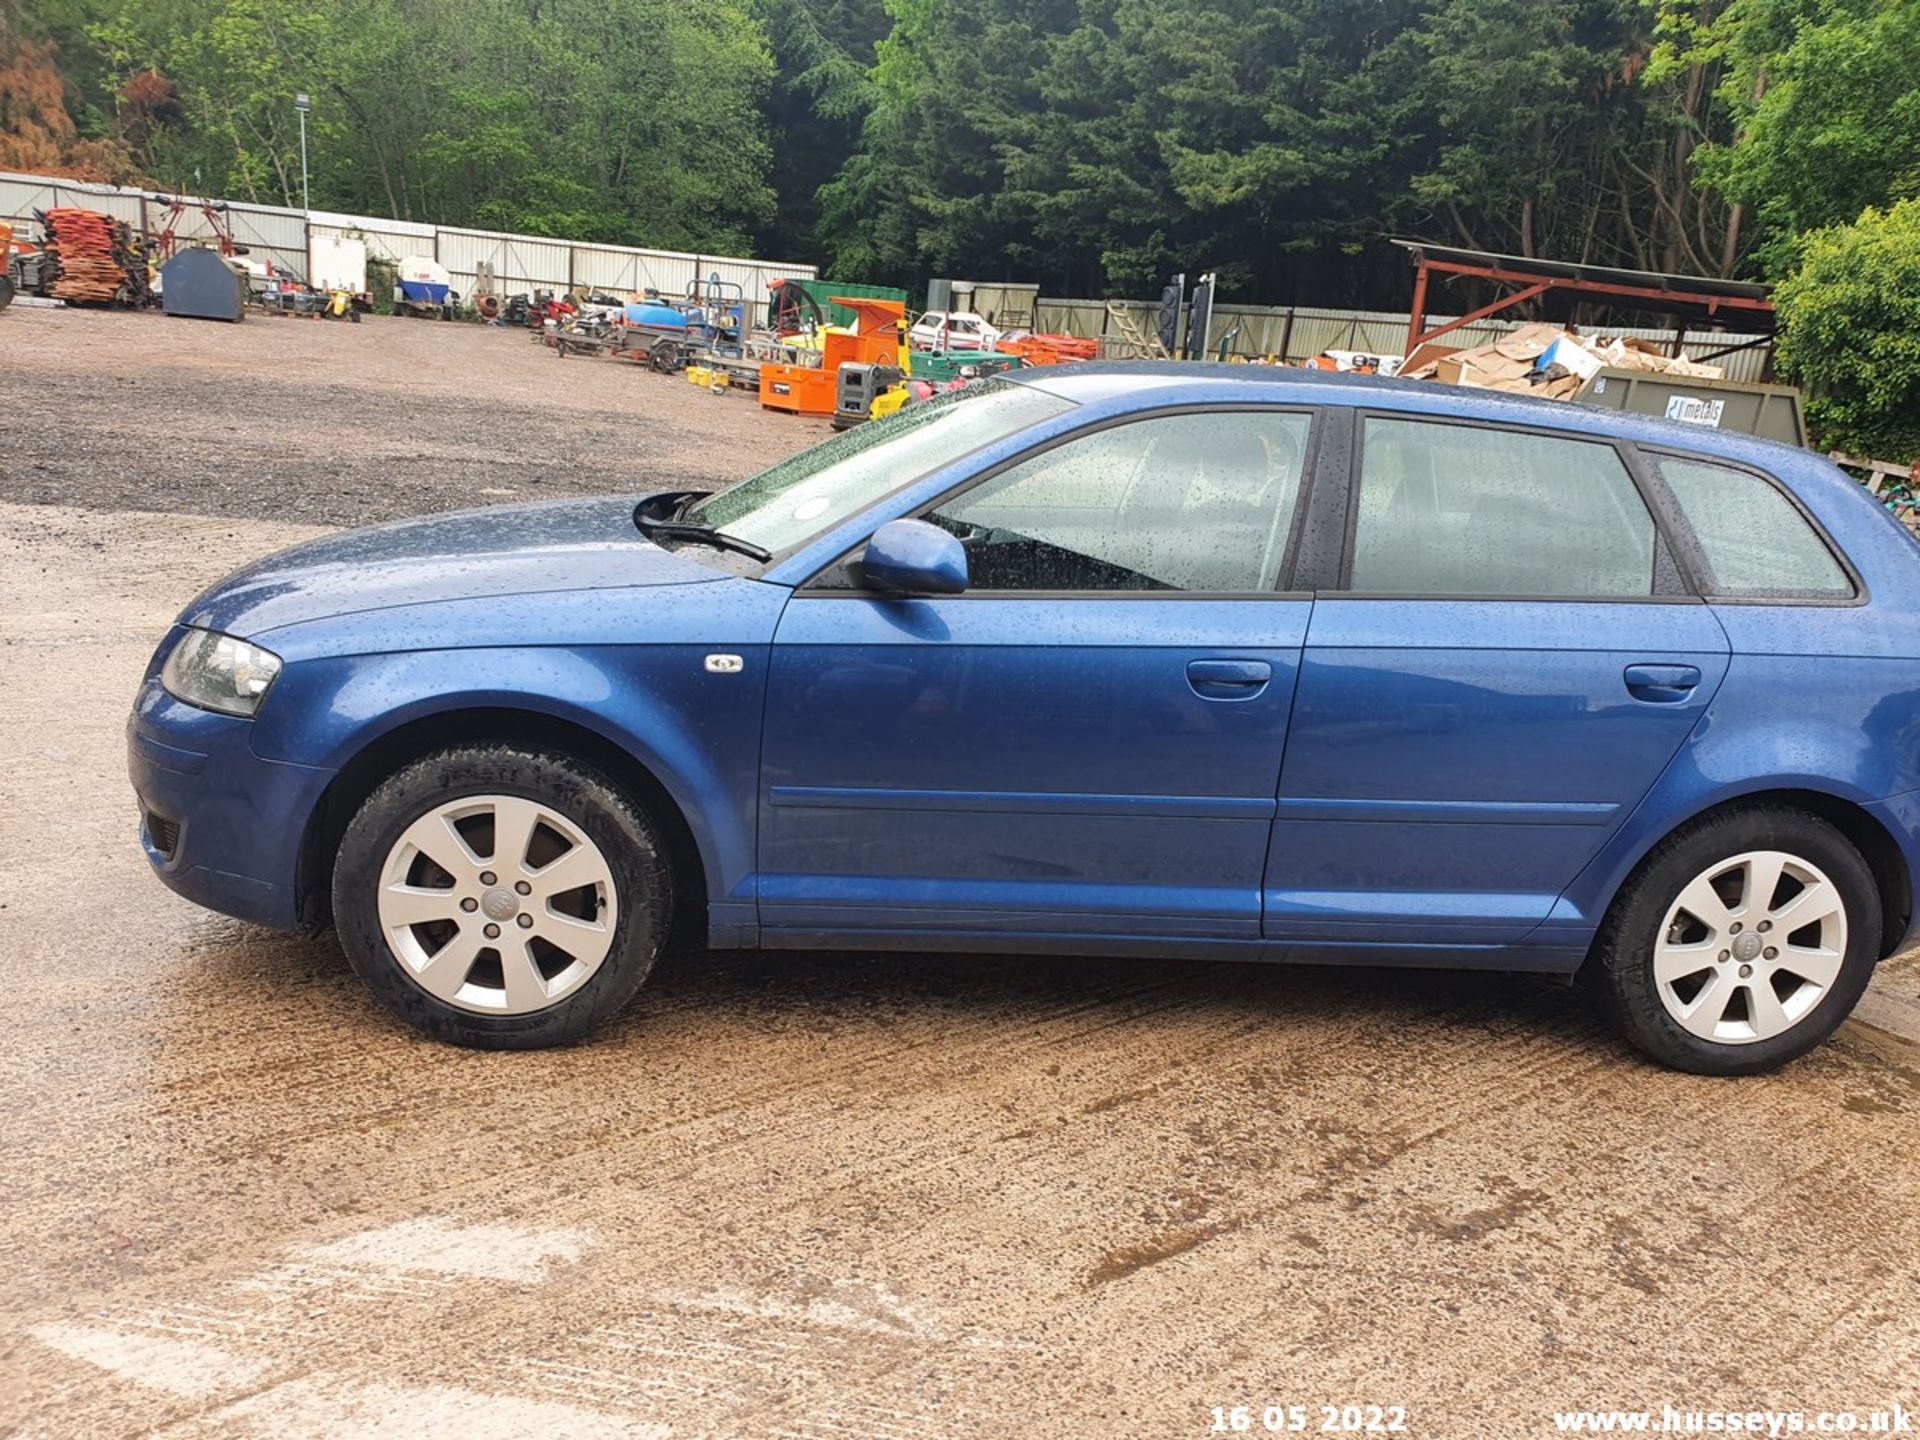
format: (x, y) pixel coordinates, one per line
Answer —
(1200, 502)
(1468, 510)
(809, 493)
(1755, 543)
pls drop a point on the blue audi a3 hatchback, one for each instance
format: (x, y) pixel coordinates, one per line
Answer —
(1135, 660)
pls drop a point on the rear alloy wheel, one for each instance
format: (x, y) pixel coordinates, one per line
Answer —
(501, 898)
(1742, 942)
(1750, 947)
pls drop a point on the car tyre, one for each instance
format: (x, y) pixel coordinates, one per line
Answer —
(390, 855)
(1642, 958)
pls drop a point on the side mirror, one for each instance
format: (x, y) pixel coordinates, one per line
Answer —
(911, 557)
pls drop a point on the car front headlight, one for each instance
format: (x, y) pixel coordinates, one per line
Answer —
(219, 672)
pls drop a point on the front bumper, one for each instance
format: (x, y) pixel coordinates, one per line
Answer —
(219, 825)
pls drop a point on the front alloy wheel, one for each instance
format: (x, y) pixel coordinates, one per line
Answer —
(502, 897)
(498, 904)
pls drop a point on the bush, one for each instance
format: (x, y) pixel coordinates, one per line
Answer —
(381, 273)
(1850, 332)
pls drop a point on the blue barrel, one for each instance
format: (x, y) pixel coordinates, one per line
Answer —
(655, 316)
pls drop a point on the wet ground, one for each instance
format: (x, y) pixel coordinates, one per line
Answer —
(313, 420)
(855, 1198)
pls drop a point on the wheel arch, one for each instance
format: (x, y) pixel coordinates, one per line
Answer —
(393, 749)
(1863, 830)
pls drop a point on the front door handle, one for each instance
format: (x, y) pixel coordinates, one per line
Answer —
(1662, 684)
(1228, 679)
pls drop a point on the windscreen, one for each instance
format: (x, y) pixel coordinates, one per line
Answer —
(809, 493)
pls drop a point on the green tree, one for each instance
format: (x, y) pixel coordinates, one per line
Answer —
(637, 121)
(1822, 105)
(823, 54)
(1850, 331)
(868, 226)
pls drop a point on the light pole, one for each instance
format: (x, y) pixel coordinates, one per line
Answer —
(302, 103)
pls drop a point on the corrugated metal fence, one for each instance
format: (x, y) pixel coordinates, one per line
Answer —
(520, 262)
(1300, 332)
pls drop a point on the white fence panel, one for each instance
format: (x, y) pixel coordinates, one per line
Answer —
(120, 204)
(730, 274)
(617, 270)
(21, 195)
(520, 262)
(267, 233)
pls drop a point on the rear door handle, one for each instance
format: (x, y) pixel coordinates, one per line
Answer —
(1228, 679)
(1661, 684)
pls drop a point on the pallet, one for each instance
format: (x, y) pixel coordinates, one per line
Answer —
(1878, 472)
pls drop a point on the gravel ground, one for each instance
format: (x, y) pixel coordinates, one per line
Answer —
(346, 424)
(914, 1197)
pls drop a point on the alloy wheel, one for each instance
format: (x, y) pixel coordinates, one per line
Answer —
(1750, 947)
(497, 904)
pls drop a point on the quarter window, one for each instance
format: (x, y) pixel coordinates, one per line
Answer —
(1200, 502)
(1756, 544)
(1468, 510)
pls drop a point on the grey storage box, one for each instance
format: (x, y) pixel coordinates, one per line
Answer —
(201, 284)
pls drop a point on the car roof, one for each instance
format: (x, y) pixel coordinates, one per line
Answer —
(1121, 385)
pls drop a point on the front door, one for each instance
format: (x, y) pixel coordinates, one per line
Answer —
(1088, 740)
(1508, 666)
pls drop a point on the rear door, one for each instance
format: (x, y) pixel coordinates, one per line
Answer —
(1506, 660)
(1088, 740)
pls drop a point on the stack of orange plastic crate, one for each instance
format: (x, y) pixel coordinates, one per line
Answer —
(87, 250)
(1044, 348)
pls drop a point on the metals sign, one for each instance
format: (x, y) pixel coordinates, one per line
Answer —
(1695, 411)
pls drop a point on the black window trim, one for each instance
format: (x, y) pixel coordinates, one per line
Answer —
(1317, 423)
(1692, 554)
(1671, 583)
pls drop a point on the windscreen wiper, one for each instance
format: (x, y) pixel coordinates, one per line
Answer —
(707, 535)
(658, 518)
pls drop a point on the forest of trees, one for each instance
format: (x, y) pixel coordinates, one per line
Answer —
(1094, 146)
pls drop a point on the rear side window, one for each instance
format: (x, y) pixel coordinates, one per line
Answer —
(1757, 545)
(1466, 510)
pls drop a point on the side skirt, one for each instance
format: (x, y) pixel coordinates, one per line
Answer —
(1533, 959)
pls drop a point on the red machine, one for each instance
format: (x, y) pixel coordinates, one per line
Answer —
(177, 206)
